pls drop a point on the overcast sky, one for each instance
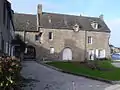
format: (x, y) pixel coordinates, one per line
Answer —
(109, 8)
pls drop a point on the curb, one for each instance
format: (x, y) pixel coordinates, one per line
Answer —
(83, 75)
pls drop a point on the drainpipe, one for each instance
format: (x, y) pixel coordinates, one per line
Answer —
(85, 46)
(0, 42)
(24, 35)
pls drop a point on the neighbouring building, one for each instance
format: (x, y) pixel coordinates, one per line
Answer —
(64, 37)
(114, 49)
(6, 27)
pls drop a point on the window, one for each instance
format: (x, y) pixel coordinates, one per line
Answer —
(89, 39)
(76, 27)
(97, 53)
(94, 25)
(52, 50)
(101, 53)
(91, 54)
(37, 37)
(50, 35)
(25, 50)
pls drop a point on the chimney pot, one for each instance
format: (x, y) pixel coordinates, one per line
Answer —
(101, 17)
(39, 8)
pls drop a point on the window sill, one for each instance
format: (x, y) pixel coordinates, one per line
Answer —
(90, 43)
(50, 39)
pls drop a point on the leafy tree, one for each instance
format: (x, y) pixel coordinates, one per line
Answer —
(18, 41)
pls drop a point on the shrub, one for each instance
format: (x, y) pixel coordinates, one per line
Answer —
(109, 59)
(9, 72)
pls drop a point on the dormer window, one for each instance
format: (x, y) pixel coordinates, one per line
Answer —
(94, 25)
(49, 19)
(76, 27)
(38, 37)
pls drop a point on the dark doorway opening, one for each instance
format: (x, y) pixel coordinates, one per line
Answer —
(30, 52)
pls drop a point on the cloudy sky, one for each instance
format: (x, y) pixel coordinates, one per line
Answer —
(109, 8)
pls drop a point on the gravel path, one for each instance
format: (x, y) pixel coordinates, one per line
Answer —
(44, 78)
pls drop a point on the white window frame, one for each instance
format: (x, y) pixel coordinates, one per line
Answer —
(49, 19)
(101, 53)
(91, 40)
(91, 54)
(97, 53)
(94, 25)
(76, 27)
(52, 50)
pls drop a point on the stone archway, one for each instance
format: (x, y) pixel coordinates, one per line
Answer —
(67, 54)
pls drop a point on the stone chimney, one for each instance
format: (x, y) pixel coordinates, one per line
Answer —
(39, 14)
(101, 17)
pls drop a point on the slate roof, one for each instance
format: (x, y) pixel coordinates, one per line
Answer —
(20, 22)
(58, 21)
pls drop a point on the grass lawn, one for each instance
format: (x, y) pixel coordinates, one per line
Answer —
(113, 73)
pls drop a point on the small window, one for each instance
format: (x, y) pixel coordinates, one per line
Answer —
(94, 25)
(91, 54)
(52, 50)
(49, 19)
(37, 37)
(50, 35)
(89, 39)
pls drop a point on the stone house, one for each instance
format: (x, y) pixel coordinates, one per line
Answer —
(6, 27)
(64, 37)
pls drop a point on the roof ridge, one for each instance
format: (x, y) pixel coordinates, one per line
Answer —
(58, 14)
(70, 15)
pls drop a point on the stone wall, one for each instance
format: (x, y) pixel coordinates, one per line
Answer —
(100, 41)
(67, 38)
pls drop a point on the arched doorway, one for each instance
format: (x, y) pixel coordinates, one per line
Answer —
(30, 52)
(67, 54)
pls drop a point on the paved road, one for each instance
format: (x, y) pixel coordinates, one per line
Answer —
(116, 64)
(48, 79)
